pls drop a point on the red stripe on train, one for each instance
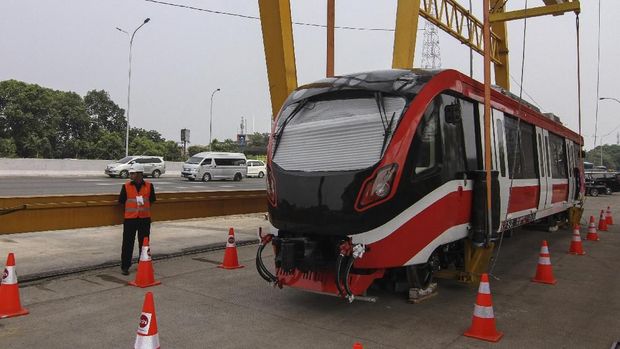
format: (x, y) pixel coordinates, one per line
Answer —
(405, 242)
(560, 193)
(523, 198)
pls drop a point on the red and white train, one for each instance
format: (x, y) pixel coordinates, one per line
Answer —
(380, 174)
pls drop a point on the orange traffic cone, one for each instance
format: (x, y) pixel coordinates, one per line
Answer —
(592, 233)
(10, 305)
(483, 321)
(358, 345)
(602, 222)
(576, 247)
(608, 218)
(147, 336)
(544, 272)
(145, 276)
(230, 255)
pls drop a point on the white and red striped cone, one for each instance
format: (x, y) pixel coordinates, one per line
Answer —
(576, 247)
(592, 233)
(602, 222)
(146, 335)
(145, 276)
(608, 217)
(10, 304)
(231, 261)
(544, 271)
(483, 321)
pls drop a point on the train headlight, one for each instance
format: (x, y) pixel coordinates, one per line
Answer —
(379, 187)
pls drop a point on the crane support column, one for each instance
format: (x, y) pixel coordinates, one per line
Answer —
(407, 14)
(275, 19)
(502, 71)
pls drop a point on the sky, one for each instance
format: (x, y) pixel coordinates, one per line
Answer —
(181, 56)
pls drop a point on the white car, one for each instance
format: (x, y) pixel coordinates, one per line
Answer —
(154, 166)
(256, 168)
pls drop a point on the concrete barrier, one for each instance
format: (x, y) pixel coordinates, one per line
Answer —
(66, 167)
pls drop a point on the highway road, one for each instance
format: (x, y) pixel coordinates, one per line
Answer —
(36, 186)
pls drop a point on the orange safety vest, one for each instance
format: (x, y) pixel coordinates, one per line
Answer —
(132, 210)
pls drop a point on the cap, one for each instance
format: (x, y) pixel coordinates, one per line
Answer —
(136, 168)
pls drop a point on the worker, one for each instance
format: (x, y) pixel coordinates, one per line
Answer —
(137, 195)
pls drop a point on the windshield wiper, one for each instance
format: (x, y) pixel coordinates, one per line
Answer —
(277, 135)
(381, 107)
(387, 125)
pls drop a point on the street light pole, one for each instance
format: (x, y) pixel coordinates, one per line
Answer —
(211, 117)
(601, 99)
(129, 81)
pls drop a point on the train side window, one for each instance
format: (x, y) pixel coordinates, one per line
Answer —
(499, 128)
(427, 140)
(468, 119)
(558, 156)
(453, 164)
(520, 143)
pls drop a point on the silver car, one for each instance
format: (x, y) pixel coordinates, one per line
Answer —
(154, 166)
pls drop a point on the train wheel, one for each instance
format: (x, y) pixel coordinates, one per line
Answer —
(420, 276)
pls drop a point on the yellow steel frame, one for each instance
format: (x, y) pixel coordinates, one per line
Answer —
(456, 20)
(275, 18)
(555, 9)
(407, 14)
(30, 214)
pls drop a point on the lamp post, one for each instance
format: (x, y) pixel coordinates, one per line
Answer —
(211, 117)
(129, 80)
(601, 99)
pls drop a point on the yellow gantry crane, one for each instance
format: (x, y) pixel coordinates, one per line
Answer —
(487, 37)
(448, 15)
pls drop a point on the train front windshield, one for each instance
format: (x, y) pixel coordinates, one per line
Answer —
(340, 132)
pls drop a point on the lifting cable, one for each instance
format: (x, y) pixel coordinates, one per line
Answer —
(581, 158)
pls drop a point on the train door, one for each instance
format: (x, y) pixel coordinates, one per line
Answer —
(545, 182)
(570, 159)
(501, 161)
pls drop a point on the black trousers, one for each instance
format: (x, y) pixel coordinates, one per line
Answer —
(130, 226)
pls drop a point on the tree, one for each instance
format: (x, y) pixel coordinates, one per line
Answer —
(258, 139)
(171, 151)
(40, 122)
(148, 134)
(109, 146)
(227, 146)
(7, 148)
(105, 112)
(195, 149)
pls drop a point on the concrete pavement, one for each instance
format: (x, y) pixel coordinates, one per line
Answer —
(48, 253)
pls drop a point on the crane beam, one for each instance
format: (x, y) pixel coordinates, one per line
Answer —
(555, 9)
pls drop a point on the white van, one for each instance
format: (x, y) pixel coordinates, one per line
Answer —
(208, 166)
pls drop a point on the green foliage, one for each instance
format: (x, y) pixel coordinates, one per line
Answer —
(226, 146)
(106, 114)
(7, 148)
(611, 156)
(195, 149)
(40, 122)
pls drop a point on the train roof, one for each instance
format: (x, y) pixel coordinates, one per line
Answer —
(408, 83)
(394, 81)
